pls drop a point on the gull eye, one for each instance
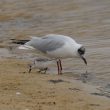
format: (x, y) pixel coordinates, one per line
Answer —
(81, 51)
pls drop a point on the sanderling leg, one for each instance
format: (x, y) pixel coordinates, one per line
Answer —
(45, 70)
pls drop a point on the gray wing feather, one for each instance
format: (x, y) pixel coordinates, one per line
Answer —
(45, 44)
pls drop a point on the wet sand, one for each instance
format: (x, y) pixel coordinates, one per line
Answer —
(87, 21)
(20, 90)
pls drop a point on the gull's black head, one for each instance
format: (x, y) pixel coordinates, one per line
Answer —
(81, 52)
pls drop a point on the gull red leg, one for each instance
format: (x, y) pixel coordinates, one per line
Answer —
(58, 67)
(60, 64)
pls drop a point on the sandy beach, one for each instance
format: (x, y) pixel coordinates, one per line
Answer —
(20, 90)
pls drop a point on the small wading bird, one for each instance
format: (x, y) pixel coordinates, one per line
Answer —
(55, 46)
(41, 64)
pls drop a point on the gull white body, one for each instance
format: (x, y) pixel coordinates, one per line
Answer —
(67, 46)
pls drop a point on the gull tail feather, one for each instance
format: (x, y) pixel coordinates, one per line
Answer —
(26, 44)
(26, 47)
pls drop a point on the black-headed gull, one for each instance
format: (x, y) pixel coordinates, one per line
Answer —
(57, 47)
